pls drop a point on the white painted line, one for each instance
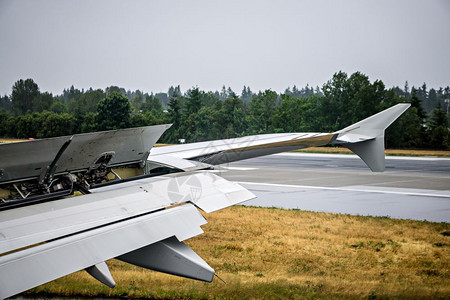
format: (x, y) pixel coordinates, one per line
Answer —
(345, 189)
(239, 168)
(333, 155)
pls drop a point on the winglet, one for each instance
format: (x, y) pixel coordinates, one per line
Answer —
(366, 138)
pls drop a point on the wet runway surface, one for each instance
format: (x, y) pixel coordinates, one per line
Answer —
(410, 188)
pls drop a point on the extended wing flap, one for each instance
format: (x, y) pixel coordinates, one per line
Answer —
(31, 267)
(29, 225)
(101, 272)
(40, 243)
(172, 257)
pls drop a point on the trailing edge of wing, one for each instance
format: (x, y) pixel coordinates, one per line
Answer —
(40, 243)
(30, 225)
(31, 267)
(172, 257)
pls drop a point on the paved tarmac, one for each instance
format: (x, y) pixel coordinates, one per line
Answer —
(411, 187)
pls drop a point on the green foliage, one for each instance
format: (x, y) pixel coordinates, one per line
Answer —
(113, 112)
(232, 117)
(45, 124)
(349, 99)
(85, 103)
(151, 103)
(82, 105)
(262, 108)
(42, 102)
(174, 117)
(136, 101)
(58, 106)
(148, 118)
(52, 124)
(23, 94)
(5, 103)
(3, 123)
(115, 89)
(89, 124)
(193, 102)
(438, 126)
(294, 114)
(204, 115)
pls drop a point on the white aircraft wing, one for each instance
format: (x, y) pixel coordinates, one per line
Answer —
(365, 138)
(128, 221)
(46, 232)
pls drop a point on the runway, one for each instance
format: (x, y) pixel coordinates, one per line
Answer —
(415, 188)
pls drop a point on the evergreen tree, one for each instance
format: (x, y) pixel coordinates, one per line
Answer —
(438, 128)
(223, 93)
(174, 91)
(262, 108)
(23, 94)
(5, 103)
(58, 106)
(417, 103)
(113, 112)
(136, 101)
(193, 101)
(42, 102)
(174, 115)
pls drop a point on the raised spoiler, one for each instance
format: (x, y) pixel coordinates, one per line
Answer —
(44, 158)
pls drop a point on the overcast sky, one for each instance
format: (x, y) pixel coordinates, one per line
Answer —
(151, 45)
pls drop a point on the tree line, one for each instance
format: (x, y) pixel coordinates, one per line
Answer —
(199, 115)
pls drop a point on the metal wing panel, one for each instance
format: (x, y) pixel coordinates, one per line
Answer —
(30, 159)
(29, 225)
(229, 150)
(366, 138)
(172, 257)
(31, 267)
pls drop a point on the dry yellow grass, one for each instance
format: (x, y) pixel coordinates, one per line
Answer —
(8, 140)
(273, 253)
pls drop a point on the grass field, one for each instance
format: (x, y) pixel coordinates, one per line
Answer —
(265, 253)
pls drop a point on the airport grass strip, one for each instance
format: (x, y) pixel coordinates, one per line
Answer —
(275, 254)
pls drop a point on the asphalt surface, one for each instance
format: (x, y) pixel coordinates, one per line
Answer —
(411, 187)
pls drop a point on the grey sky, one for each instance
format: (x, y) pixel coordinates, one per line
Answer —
(150, 45)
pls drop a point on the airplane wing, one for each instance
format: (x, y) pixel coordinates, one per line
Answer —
(134, 222)
(71, 203)
(365, 138)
